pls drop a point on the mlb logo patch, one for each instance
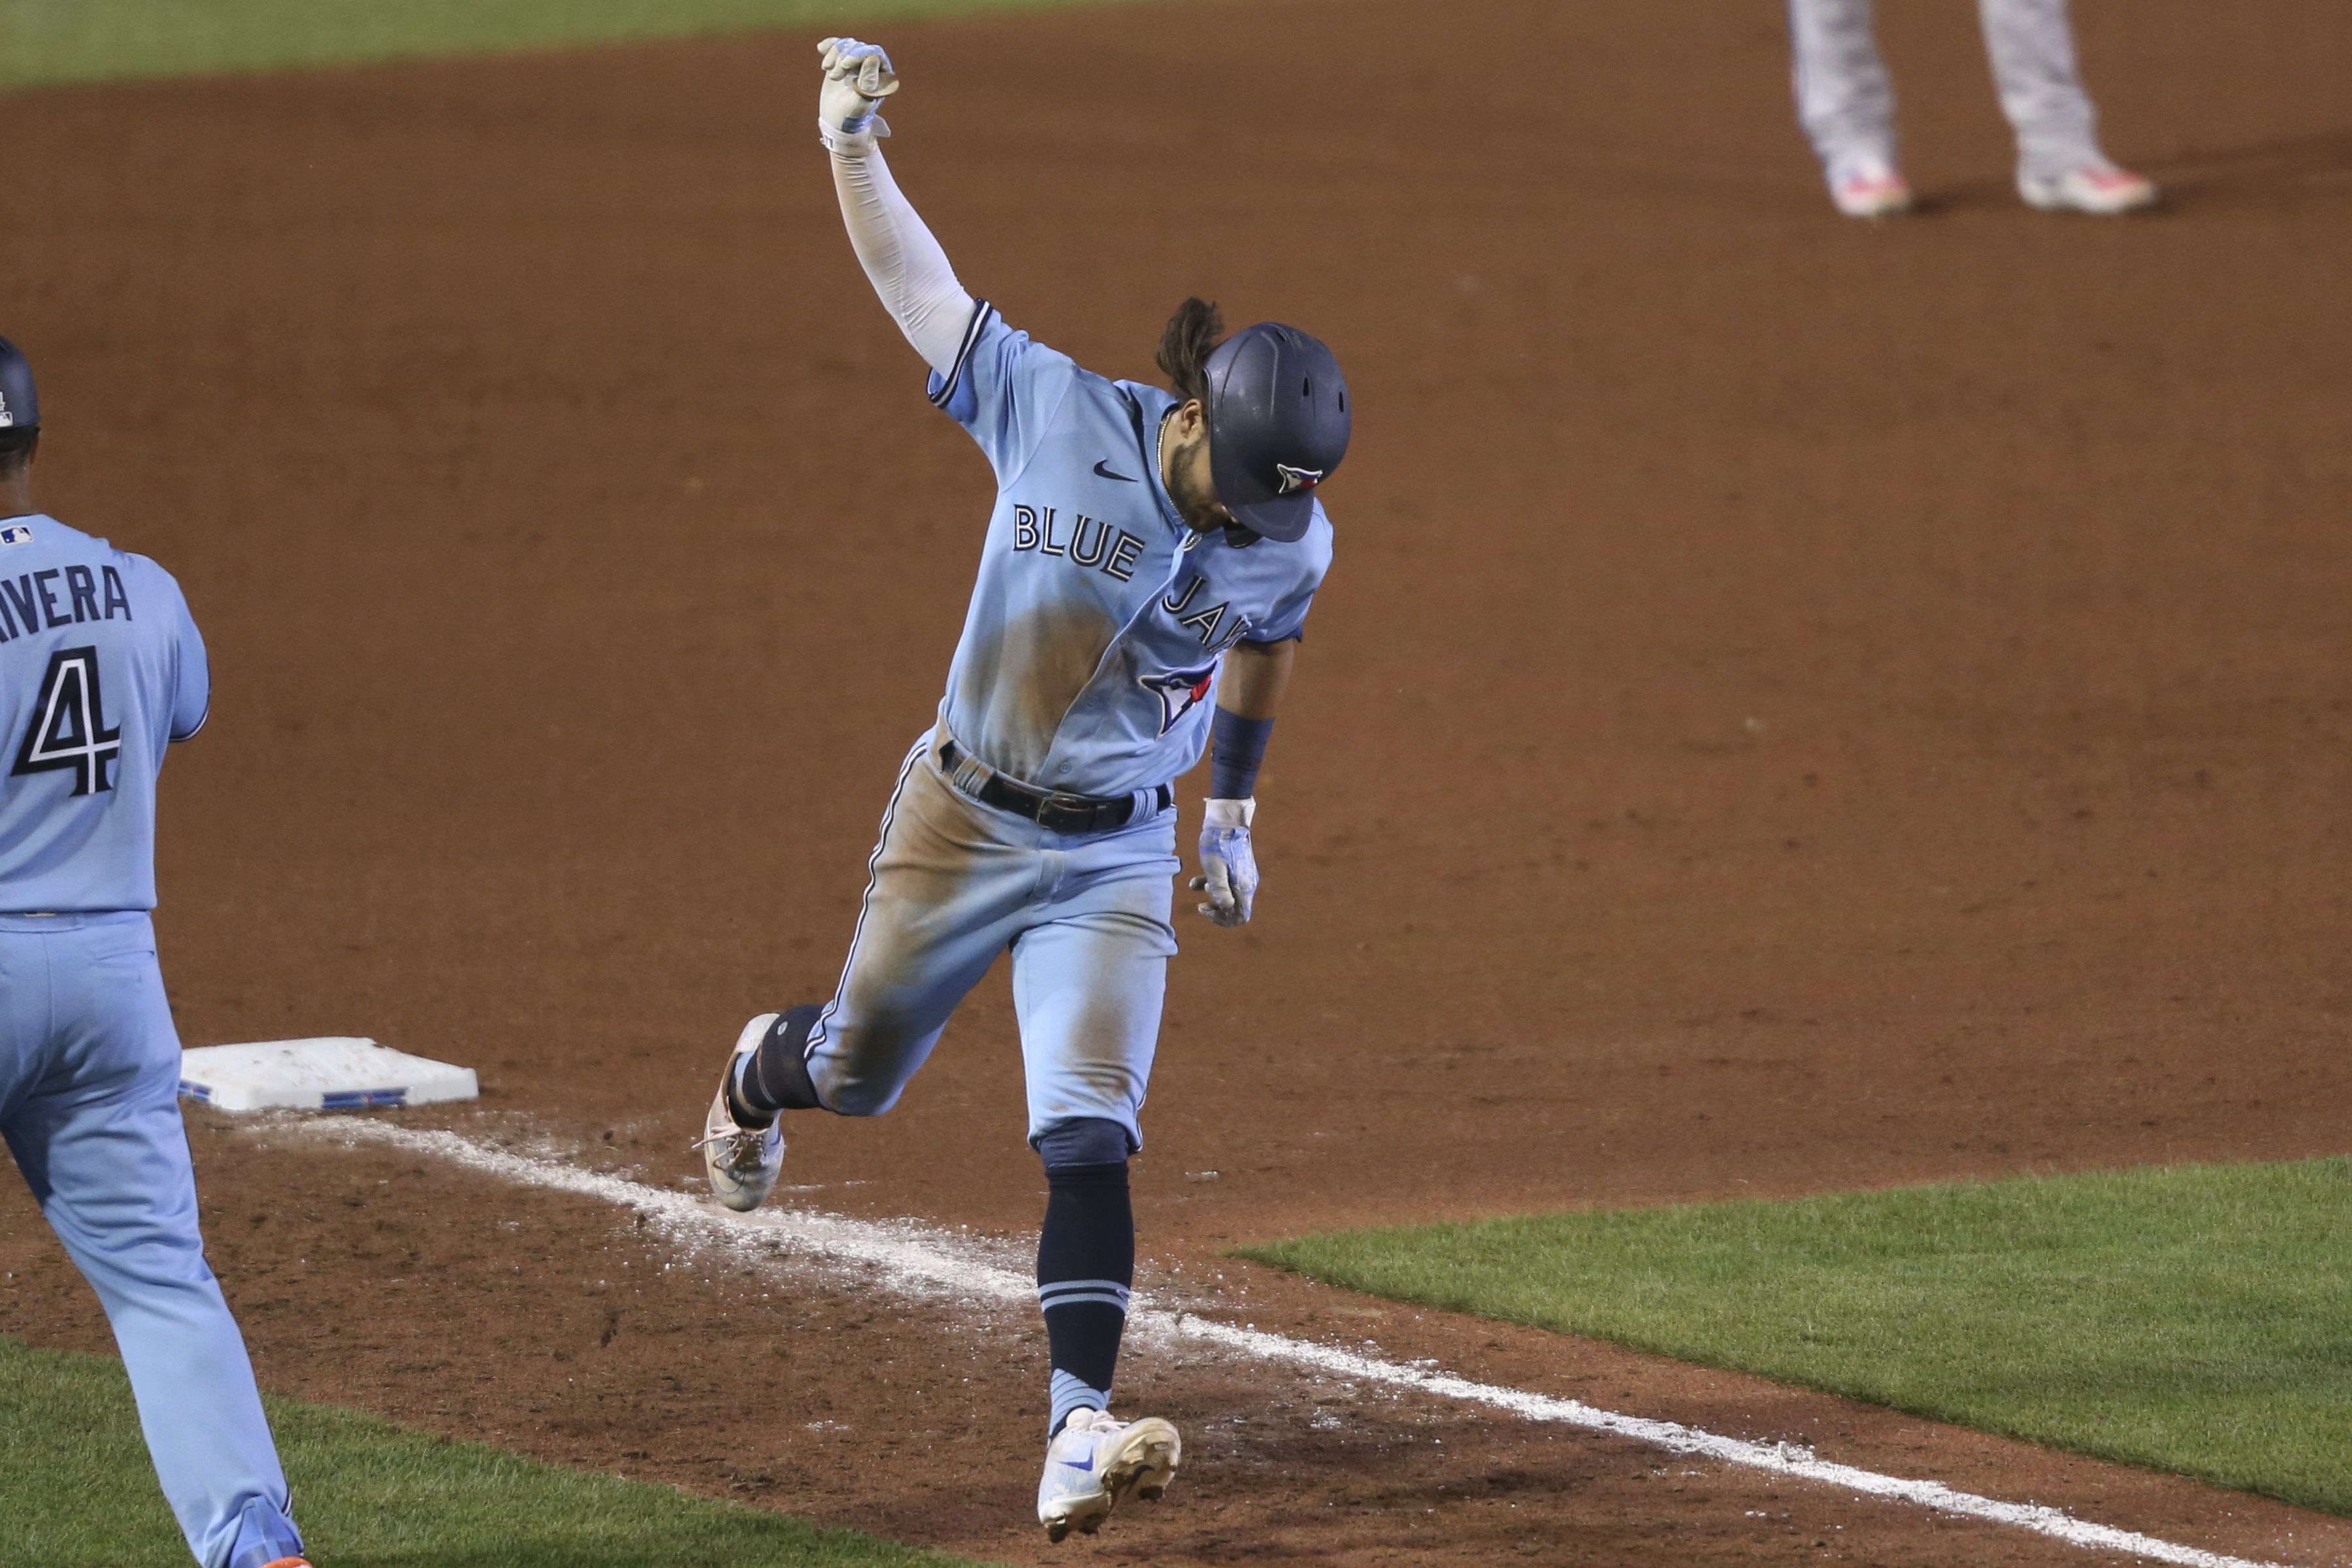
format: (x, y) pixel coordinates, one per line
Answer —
(16, 533)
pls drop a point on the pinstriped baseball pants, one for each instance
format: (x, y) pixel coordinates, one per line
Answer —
(952, 885)
(1846, 99)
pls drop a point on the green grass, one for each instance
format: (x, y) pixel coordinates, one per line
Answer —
(2196, 1320)
(369, 1494)
(50, 41)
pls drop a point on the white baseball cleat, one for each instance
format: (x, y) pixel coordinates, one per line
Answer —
(2101, 189)
(1871, 190)
(741, 1161)
(1094, 1463)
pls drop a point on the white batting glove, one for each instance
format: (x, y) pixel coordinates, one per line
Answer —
(857, 77)
(1228, 867)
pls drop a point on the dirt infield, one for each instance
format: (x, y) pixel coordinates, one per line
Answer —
(1800, 705)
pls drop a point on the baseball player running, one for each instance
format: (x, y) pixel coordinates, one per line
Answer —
(1845, 100)
(101, 666)
(1147, 552)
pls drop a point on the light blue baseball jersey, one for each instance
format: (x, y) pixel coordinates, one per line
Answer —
(101, 666)
(1091, 651)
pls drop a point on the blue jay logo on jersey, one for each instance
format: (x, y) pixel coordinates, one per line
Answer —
(1181, 691)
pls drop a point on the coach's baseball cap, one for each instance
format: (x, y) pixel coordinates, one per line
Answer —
(19, 409)
(1278, 425)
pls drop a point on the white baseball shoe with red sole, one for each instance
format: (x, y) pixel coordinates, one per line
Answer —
(1871, 190)
(2100, 189)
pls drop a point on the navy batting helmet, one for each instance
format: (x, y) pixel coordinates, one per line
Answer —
(1278, 425)
(19, 409)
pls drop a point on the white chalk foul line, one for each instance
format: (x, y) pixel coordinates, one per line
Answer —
(1783, 1458)
(914, 1259)
(926, 1262)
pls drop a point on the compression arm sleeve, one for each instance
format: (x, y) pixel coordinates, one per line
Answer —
(1239, 748)
(902, 260)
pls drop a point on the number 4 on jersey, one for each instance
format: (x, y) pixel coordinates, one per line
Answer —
(69, 728)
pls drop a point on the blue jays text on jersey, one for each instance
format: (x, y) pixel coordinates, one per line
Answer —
(101, 666)
(1097, 626)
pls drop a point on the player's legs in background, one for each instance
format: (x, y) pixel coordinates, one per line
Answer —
(92, 1118)
(2059, 161)
(1845, 102)
(2031, 45)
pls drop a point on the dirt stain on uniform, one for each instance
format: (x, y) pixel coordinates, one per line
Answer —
(1023, 679)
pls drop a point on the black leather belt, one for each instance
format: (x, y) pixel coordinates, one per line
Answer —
(1054, 810)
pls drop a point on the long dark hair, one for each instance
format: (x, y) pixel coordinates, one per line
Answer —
(1184, 346)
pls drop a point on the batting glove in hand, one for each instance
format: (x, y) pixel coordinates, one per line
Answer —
(858, 77)
(1228, 867)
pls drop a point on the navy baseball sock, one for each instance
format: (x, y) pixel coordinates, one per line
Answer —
(775, 1076)
(1086, 1264)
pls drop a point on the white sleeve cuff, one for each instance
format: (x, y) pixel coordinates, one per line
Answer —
(851, 142)
(1230, 813)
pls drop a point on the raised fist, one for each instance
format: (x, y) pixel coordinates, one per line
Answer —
(858, 77)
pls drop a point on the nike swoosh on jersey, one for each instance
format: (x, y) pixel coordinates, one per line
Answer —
(1103, 468)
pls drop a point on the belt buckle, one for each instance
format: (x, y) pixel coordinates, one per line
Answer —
(1060, 813)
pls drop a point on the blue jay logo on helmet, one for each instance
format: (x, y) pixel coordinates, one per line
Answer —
(6, 419)
(1296, 479)
(1181, 691)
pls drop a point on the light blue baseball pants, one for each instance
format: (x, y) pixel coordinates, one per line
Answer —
(89, 1077)
(954, 883)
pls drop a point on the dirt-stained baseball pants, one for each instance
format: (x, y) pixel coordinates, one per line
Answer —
(954, 884)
